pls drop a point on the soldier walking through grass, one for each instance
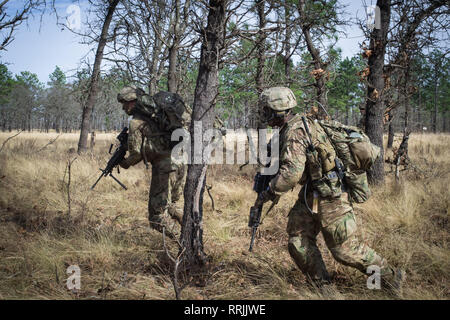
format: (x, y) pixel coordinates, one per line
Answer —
(308, 157)
(149, 140)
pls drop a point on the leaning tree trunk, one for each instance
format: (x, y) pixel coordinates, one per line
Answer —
(205, 95)
(374, 110)
(93, 88)
(319, 67)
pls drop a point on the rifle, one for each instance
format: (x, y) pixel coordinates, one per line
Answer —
(261, 184)
(116, 158)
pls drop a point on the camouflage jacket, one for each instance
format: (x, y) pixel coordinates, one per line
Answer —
(293, 147)
(146, 139)
(150, 130)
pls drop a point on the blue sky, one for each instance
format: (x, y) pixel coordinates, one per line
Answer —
(39, 48)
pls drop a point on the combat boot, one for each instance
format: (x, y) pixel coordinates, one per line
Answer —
(175, 214)
(162, 221)
(392, 283)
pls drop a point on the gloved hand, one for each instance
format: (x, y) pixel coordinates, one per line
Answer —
(268, 195)
(124, 164)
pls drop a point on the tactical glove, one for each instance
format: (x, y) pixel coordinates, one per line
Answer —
(268, 195)
(124, 164)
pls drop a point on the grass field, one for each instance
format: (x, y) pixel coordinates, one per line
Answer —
(105, 232)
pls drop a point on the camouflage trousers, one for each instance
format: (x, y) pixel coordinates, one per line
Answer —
(166, 188)
(336, 220)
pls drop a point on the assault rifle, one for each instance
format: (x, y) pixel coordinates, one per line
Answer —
(261, 184)
(116, 158)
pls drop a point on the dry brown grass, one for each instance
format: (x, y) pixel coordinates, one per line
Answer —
(107, 234)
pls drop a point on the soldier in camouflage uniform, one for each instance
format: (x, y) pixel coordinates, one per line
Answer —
(333, 216)
(150, 141)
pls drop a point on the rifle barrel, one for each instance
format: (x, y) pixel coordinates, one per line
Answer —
(253, 239)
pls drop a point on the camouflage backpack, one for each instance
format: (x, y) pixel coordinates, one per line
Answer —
(357, 153)
(165, 108)
(172, 113)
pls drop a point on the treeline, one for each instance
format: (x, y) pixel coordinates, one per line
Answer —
(28, 104)
(156, 45)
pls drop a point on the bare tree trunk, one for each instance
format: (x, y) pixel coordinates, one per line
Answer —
(419, 112)
(287, 46)
(58, 124)
(443, 121)
(391, 133)
(347, 114)
(173, 52)
(93, 89)
(29, 126)
(179, 27)
(205, 95)
(319, 66)
(406, 97)
(435, 98)
(3, 117)
(172, 84)
(261, 60)
(374, 110)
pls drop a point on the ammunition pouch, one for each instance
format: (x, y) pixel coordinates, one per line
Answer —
(329, 186)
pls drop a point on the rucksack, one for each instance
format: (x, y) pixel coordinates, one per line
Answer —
(172, 112)
(167, 109)
(357, 153)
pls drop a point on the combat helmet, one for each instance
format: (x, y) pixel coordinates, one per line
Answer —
(278, 98)
(129, 94)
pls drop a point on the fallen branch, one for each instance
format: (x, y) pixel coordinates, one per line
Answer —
(4, 143)
(49, 143)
